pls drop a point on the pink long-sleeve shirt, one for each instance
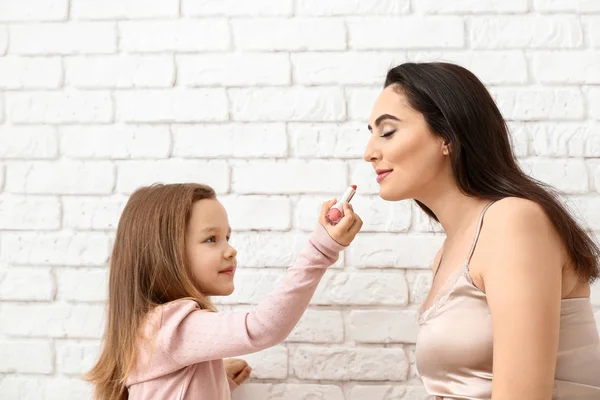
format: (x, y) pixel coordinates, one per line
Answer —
(184, 358)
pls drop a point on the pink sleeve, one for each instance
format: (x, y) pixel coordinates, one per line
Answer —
(189, 335)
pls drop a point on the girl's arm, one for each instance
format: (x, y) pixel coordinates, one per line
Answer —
(189, 335)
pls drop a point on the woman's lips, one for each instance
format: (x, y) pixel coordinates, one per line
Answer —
(381, 175)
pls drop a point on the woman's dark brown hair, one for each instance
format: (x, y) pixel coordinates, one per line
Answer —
(458, 108)
(148, 267)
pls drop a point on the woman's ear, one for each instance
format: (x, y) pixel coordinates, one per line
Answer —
(445, 148)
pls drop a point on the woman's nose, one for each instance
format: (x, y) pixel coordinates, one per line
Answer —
(372, 153)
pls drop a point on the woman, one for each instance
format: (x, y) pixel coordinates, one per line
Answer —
(508, 315)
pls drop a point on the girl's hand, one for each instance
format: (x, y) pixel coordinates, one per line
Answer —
(237, 369)
(345, 231)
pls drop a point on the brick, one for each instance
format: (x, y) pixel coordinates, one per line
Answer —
(363, 175)
(64, 39)
(595, 297)
(44, 388)
(29, 212)
(343, 68)
(405, 33)
(594, 168)
(552, 67)
(63, 249)
(26, 284)
(319, 326)
(60, 107)
(578, 6)
(360, 102)
(471, 7)
(567, 175)
(92, 213)
(288, 391)
(535, 104)
(382, 326)
(115, 141)
(287, 104)
(122, 71)
(30, 72)
(26, 356)
(382, 216)
(124, 9)
(34, 10)
(82, 284)
(298, 34)
(175, 35)
(76, 357)
(176, 105)
(419, 283)
(398, 251)
(232, 140)
(364, 288)
(54, 320)
(593, 100)
(519, 138)
(593, 30)
(347, 363)
(537, 32)
(28, 142)
(587, 208)
(495, 67)
(237, 8)
(62, 177)
(268, 177)
(224, 69)
(277, 249)
(319, 8)
(564, 139)
(388, 392)
(134, 174)
(328, 140)
(271, 363)
(258, 212)
(3, 39)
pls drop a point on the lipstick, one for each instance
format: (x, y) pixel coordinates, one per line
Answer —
(335, 213)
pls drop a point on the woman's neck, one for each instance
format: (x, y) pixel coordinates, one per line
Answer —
(455, 210)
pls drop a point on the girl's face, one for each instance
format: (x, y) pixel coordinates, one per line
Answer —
(407, 157)
(210, 256)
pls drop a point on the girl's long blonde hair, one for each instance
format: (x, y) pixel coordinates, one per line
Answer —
(148, 268)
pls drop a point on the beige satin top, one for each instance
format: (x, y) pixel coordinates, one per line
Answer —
(454, 346)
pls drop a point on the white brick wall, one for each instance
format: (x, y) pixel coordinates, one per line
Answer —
(267, 101)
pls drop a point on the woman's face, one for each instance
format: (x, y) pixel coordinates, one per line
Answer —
(407, 157)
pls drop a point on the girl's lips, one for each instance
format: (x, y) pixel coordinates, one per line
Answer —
(382, 175)
(228, 271)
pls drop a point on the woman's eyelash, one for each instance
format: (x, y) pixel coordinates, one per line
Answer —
(388, 133)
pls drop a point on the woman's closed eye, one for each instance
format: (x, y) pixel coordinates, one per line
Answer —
(388, 134)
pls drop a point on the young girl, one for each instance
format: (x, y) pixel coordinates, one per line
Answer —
(164, 338)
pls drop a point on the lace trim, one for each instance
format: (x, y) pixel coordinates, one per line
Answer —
(443, 293)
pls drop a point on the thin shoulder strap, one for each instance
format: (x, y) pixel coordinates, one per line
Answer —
(479, 225)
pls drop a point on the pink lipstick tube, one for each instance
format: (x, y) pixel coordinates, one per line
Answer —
(335, 213)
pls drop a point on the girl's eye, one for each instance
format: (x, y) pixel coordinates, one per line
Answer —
(211, 239)
(390, 133)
